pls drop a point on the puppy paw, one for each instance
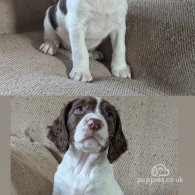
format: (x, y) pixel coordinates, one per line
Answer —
(122, 73)
(97, 55)
(80, 76)
(48, 48)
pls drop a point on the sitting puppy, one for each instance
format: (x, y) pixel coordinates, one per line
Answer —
(81, 25)
(89, 131)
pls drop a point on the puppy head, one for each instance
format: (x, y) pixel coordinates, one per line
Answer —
(91, 125)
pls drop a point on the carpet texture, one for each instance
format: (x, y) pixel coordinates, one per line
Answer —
(149, 124)
(160, 43)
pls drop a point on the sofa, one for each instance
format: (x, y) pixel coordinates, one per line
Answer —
(160, 42)
(150, 127)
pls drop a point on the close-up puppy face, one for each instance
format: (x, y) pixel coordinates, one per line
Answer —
(90, 125)
(91, 120)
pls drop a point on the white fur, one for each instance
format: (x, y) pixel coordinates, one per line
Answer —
(84, 170)
(83, 28)
(85, 174)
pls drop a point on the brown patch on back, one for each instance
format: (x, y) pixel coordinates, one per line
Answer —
(52, 17)
(62, 6)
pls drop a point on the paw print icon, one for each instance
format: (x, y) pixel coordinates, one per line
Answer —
(159, 170)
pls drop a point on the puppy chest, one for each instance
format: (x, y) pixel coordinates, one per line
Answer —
(102, 19)
(99, 25)
(86, 183)
(85, 186)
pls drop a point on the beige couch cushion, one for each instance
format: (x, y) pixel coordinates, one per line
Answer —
(149, 124)
(32, 168)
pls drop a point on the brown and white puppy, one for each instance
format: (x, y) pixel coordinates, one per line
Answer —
(81, 25)
(89, 131)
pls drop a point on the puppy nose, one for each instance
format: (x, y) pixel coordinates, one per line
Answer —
(94, 124)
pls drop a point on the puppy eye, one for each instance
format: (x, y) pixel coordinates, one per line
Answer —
(110, 115)
(79, 109)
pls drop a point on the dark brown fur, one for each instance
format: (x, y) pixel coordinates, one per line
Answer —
(52, 12)
(117, 142)
(52, 17)
(62, 131)
(73, 119)
(58, 132)
(63, 7)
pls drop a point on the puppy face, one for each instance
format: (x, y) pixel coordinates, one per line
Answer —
(91, 125)
(90, 121)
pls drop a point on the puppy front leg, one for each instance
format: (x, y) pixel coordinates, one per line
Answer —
(80, 55)
(118, 65)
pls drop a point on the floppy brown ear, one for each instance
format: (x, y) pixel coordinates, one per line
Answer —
(58, 132)
(118, 143)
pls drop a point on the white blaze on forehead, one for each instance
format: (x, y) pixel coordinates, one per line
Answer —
(97, 109)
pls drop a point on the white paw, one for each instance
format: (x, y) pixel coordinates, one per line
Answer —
(122, 73)
(48, 48)
(97, 55)
(80, 76)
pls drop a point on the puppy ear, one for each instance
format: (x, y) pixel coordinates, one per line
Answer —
(117, 143)
(58, 132)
